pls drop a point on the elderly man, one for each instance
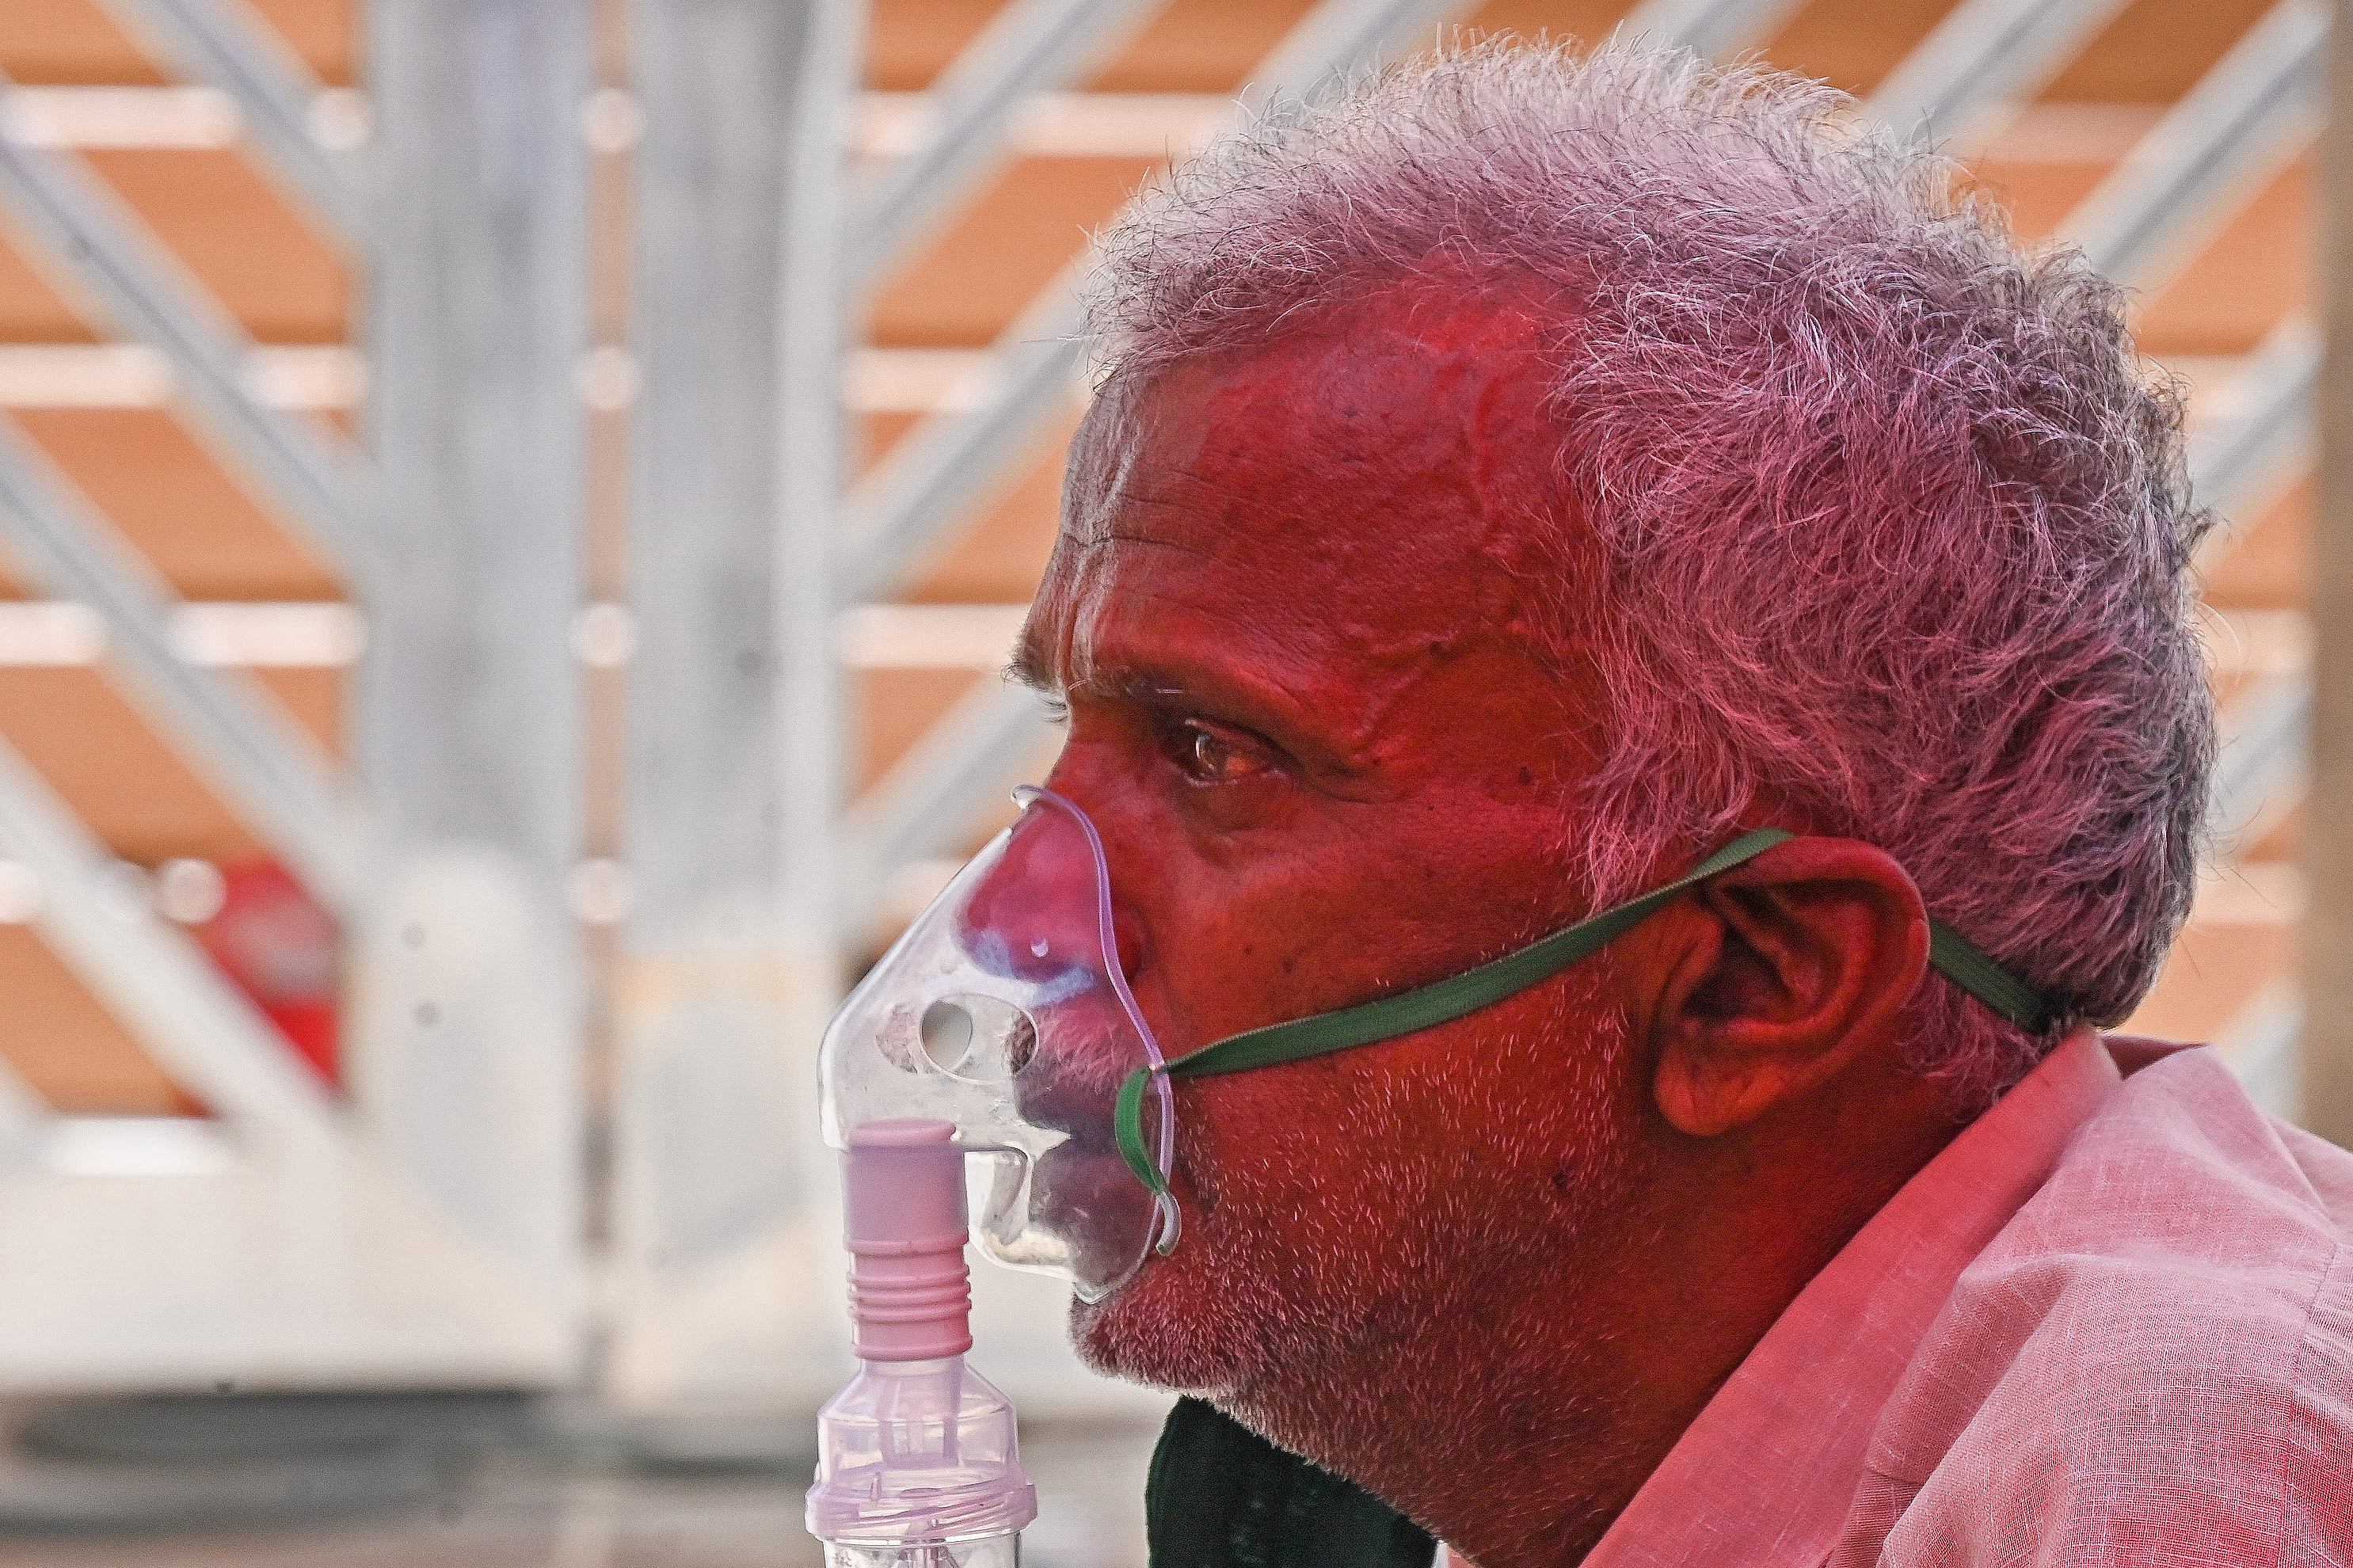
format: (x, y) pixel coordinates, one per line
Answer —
(1509, 483)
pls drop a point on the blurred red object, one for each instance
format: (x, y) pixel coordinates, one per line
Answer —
(279, 948)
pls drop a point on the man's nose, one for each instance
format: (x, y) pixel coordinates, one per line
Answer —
(1033, 914)
(1122, 823)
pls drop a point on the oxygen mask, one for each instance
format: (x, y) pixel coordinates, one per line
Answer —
(1004, 1012)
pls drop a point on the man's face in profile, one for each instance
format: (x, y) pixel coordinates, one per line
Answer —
(1290, 614)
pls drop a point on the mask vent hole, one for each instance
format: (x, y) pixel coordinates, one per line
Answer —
(947, 1035)
(981, 1039)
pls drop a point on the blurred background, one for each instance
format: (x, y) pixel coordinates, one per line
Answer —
(510, 514)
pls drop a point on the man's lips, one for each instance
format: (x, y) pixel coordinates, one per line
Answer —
(1061, 1091)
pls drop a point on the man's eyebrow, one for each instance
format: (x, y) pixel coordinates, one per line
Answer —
(1029, 665)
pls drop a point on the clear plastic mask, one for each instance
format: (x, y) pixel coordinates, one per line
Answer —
(1003, 1010)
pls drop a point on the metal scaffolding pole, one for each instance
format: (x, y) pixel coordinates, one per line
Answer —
(467, 725)
(103, 253)
(2213, 152)
(735, 720)
(1029, 47)
(1984, 54)
(2327, 1038)
(248, 746)
(225, 44)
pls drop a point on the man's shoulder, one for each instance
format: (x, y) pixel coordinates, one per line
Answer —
(2182, 1186)
(2160, 1339)
(2188, 1254)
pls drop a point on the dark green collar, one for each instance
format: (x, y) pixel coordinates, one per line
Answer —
(1220, 1495)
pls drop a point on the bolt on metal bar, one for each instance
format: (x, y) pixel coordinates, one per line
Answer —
(2256, 108)
(174, 1000)
(243, 743)
(1984, 54)
(133, 279)
(223, 44)
(1029, 47)
(1715, 29)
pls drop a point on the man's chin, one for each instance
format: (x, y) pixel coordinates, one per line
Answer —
(1170, 1327)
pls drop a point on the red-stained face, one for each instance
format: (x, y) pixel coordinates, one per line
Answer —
(1290, 615)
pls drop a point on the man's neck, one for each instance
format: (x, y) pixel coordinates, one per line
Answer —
(1519, 1414)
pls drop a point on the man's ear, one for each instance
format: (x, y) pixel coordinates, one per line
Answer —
(1787, 970)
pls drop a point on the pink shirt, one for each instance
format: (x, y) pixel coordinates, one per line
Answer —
(2112, 1322)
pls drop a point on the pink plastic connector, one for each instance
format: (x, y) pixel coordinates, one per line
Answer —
(919, 1462)
(910, 1290)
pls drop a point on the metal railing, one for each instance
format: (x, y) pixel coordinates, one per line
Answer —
(224, 45)
(240, 737)
(103, 253)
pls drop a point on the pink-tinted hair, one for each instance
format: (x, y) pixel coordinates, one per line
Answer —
(1894, 519)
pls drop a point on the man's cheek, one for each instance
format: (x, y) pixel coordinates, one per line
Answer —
(1257, 956)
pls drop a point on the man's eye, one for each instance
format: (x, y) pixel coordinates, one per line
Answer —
(1211, 753)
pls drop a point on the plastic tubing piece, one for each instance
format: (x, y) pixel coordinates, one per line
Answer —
(910, 1289)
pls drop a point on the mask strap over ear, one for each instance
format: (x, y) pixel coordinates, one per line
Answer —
(1952, 954)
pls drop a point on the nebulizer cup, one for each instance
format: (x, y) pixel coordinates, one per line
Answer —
(918, 1464)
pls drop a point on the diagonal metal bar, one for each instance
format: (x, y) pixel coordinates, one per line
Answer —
(72, 216)
(2256, 108)
(1984, 54)
(2271, 433)
(2258, 1043)
(940, 471)
(2264, 762)
(245, 744)
(175, 1002)
(1715, 29)
(223, 44)
(924, 806)
(1029, 47)
(947, 465)
(1339, 38)
(24, 1117)
(2263, 758)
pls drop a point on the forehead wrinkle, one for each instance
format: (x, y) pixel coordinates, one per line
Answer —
(1188, 495)
(1286, 520)
(1153, 540)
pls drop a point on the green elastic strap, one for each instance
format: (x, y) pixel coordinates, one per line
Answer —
(1445, 1000)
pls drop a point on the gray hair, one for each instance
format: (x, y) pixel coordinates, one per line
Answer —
(1895, 523)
